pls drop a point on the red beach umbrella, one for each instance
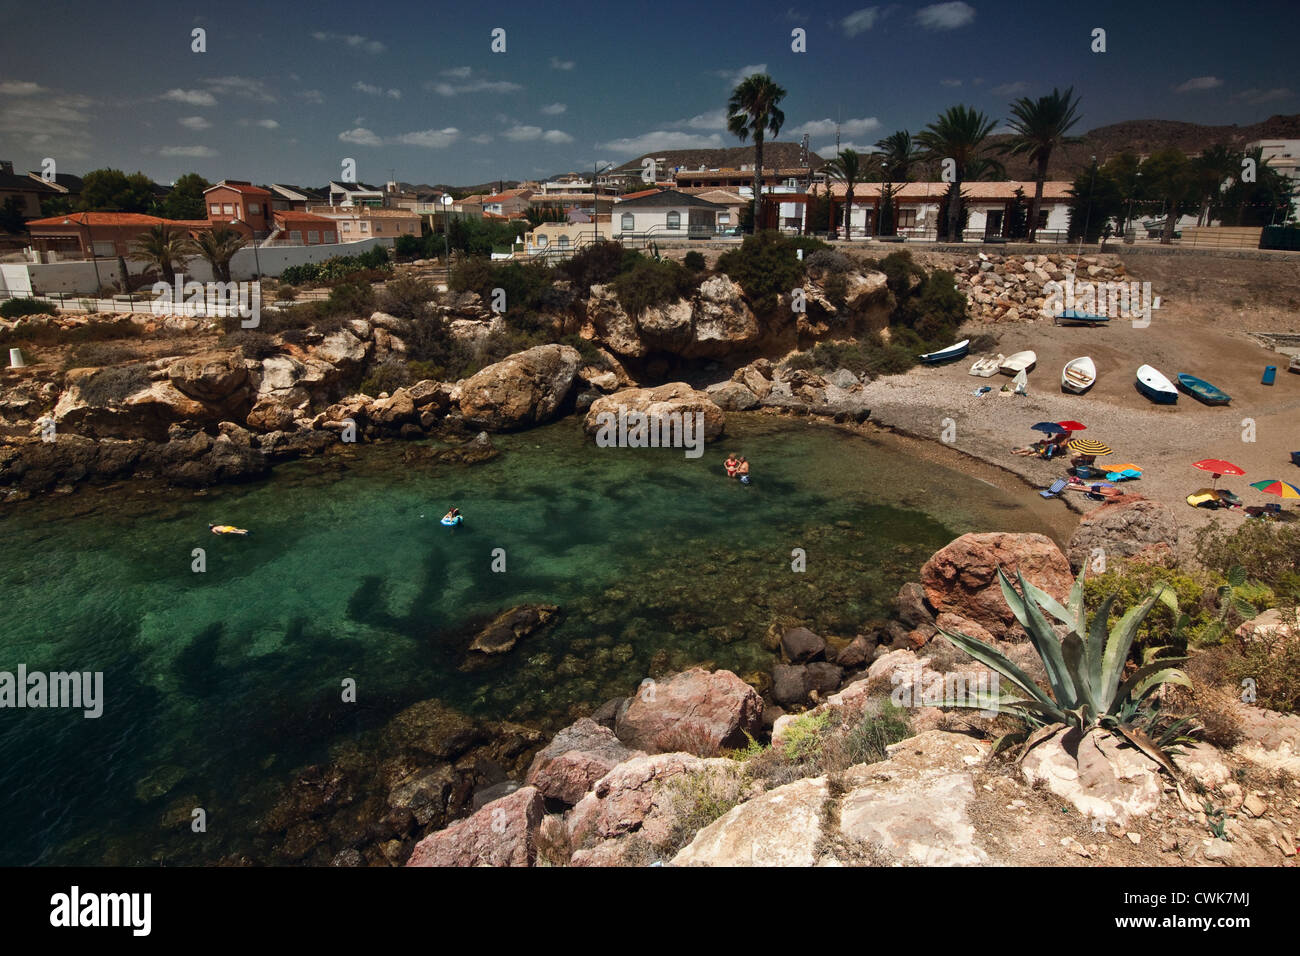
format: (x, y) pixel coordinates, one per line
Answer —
(1218, 467)
(1072, 426)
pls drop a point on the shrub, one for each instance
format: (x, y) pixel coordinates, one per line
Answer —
(96, 354)
(1273, 664)
(828, 260)
(472, 275)
(801, 740)
(765, 266)
(1267, 551)
(255, 345)
(836, 286)
(44, 333)
(867, 742)
(350, 299)
(868, 357)
(406, 296)
(809, 245)
(651, 283)
(14, 308)
(1130, 581)
(386, 377)
(110, 385)
(598, 264)
(698, 800)
(694, 260)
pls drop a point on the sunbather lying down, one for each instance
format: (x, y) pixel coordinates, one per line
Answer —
(1041, 449)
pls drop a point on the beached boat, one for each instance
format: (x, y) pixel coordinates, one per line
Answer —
(1018, 362)
(947, 355)
(1079, 375)
(986, 367)
(1295, 365)
(1155, 386)
(1077, 317)
(1202, 390)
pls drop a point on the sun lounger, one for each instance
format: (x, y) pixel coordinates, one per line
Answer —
(1057, 487)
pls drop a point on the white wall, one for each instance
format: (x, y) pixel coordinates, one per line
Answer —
(655, 218)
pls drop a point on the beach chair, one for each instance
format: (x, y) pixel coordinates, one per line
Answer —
(1057, 487)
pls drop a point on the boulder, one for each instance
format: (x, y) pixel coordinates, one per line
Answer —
(1123, 528)
(856, 654)
(613, 327)
(501, 833)
(342, 349)
(1098, 772)
(732, 397)
(912, 610)
(800, 645)
(675, 398)
(962, 577)
(723, 321)
(696, 711)
(575, 759)
(512, 626)
(525, 389)
(782, 827)
(269, 414)
(212, 378)
(393, 410)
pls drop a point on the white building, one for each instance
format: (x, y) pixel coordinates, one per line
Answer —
(664, 214)
(1284, 156)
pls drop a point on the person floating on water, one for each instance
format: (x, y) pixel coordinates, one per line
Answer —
(732, 464)
(743, 470)
(225, 529)
(453, 517)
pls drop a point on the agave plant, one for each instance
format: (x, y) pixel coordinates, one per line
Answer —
(1085, 671)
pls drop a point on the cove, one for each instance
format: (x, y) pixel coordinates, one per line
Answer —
(218, 685)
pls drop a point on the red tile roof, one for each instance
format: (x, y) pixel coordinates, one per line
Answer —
(290, 215)
(241, 188)
(644, 192)
(101, 219)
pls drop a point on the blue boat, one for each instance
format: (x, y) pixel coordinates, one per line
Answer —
(1079, 317)
(1270, 373)
(948, 354)
(1202, 390)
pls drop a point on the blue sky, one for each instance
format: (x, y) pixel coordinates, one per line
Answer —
(285, 93)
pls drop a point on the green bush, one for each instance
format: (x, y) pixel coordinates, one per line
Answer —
(109, 386)
(387, 377)
(15, 308)
(1131, 581)
(650, 283)
(867, 357)
(766, 267)
(828, 260)
(867, 742)
(802, 739)
(350, 299)
(1273, 664)
(338, 267)
(598, 264)
(694, 260)
(836, 286)
(1269, 552)
(406, 296)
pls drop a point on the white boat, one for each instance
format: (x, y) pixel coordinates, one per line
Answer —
(1018, 362)
(987, 367)
(1079, 375)
(947, 355)
(1154, 385)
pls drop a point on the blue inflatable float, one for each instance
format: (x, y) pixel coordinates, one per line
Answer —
(452, 522)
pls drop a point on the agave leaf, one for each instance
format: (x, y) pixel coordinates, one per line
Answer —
(1043, 638)
(1076, 604)
(1145, 744)
(992, 657)
(1008, 740)
(1038, 736)
(1236, 576)
(1050, 604)
(1147, 679)
(1167, 597)
(1074, 652)
(1117, 648)
(1098, 632)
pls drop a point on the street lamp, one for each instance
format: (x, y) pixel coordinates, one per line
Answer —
(257, 262)
(446, 226)
(94, 257)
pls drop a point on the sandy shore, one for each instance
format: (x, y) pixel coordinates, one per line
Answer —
(1163, 440)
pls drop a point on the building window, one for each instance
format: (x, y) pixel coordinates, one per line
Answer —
(906, 218)
(227, 209)
(313, 236)
(629, 222)
(563, 242)
(105, 249)
(379, 227)
(296, 235)
(724, 219)
(541, 242)
(347, 227)
(365, 227)
(674, 220)
(329, 237)
(254, 208)
(214, 209)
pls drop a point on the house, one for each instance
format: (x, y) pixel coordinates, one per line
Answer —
(296, 228)
(509, 203)
(730, 200)
(470, 205)
(238, 201)
(29, 192)
(89, 235)
(298, 198)
(563, 238)
(64, 184)
(367, 222)
(988, 205)
(353, 194)
(742, 178)
(664, 213)
(1284, 156)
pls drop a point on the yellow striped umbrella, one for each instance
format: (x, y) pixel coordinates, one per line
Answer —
(1089, 446)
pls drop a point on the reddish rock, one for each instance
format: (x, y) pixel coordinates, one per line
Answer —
(696, 711)
(502, 833)
(522, 390)
(955, 622)
(1129, 526)
(575, 759)
(963, 576)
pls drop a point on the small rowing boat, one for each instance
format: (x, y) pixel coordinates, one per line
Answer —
(986, 367)
(1018, 362)
(1153, 384)
(1202, 390)
(1079, 375)
(947, 355)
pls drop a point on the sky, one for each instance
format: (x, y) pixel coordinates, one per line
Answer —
(289, 92)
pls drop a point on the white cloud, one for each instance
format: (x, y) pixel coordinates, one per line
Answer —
(240, 86)
(1017, 88)
(458, 72)
(1254, 95)
(482, 139)
(735, 76)
(554, 109)
(190, 152)
(828, 151)
(263, 123)
(1198, 83)
(312, 96)
(860, 21)
(55, 124)
(190, 97)
(658, 140)
(21, 88)
(372, 90)
(849, 127)
(945, 16)
(714, 119)
(558, 64)
(557, 136)
(194, 122)
(429, 138)
(355, 41)
(473, 86)
(361, 137)
(950, 82)
(523, 134)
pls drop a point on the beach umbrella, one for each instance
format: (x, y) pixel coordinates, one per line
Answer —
(1089, 446)
(1073, 426)
(1050, 428)
(1218, 467)
(1283, 489)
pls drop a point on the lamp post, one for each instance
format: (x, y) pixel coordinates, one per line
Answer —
(257, 262)
(94, 256)
(446, 227)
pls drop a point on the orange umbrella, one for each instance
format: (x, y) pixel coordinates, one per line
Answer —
(1218, 467)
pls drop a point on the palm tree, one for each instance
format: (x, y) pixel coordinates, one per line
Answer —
(1213, 168)
(163, 248)
(851, 167)
(1039, 127)
(958, 134)
(753, 111)
(898, 154)
(219, 246)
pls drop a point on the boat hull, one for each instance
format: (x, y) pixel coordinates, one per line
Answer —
(1019, 362)
(1203, 391)
(1079, 375)
(949, 354)
(1075, 317)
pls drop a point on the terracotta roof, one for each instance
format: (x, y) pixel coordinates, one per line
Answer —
(975, 191)
(293, 215)
(242, 188)
(645, 192)
(102, 219)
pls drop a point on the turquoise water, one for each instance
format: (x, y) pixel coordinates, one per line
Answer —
(219, 683)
